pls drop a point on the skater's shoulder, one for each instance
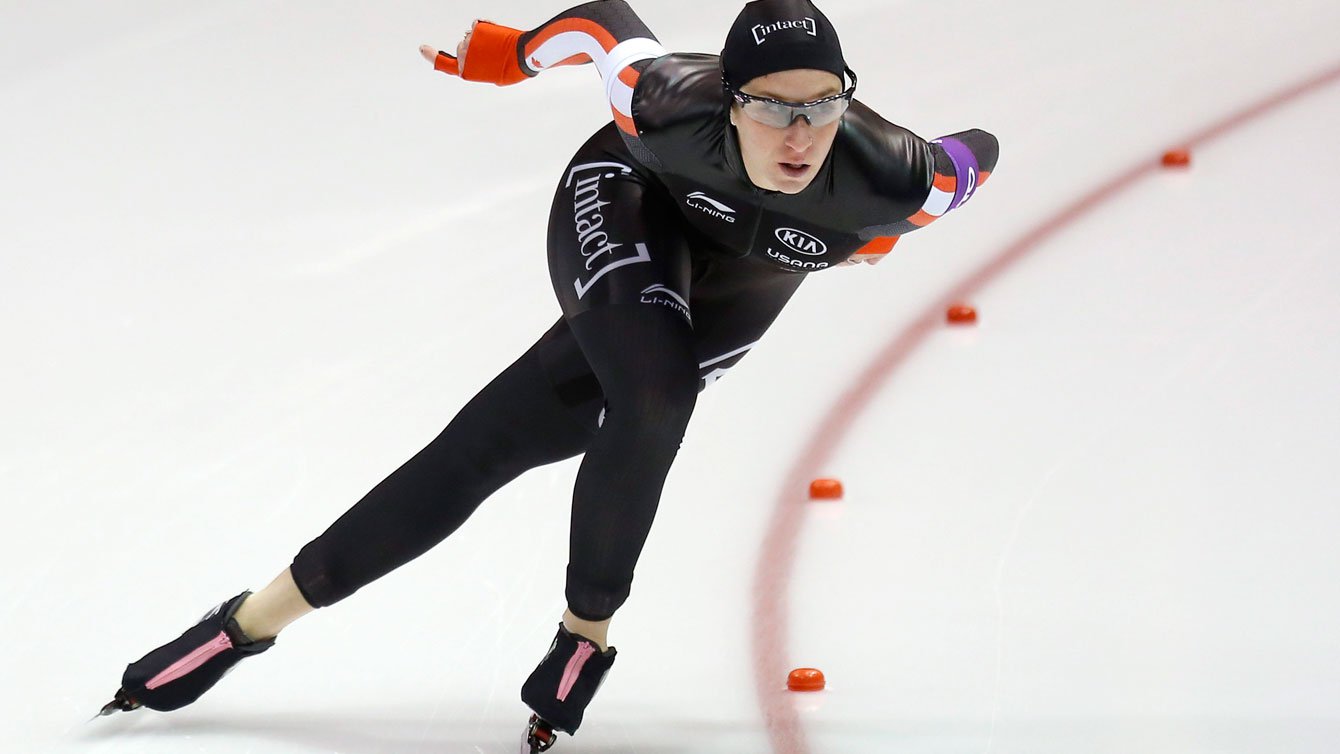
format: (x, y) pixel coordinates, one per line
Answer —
(891, 160)
(679, 88)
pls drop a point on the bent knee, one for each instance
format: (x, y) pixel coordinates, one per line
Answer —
(660, 405)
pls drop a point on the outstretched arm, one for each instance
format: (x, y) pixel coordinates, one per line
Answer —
(605, 32)
(961, 164)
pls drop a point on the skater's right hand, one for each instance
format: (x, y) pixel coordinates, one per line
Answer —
(442, 61)
(494, 57)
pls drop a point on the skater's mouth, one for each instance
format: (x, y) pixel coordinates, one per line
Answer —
(794, 169)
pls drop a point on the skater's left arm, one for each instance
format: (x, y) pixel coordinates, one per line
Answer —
(957, 165)
(963, 163)
(604, 32)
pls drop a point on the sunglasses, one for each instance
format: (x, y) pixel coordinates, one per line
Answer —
(780, 114)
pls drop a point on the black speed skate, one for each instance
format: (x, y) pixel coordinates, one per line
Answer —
(561, 687)
(177, 673)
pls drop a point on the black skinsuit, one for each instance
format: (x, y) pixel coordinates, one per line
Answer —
(669, 265)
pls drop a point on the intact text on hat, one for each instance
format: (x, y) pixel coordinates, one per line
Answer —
(761, 31)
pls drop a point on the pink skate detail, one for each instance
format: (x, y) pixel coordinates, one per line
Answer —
(190, 662)
(584, 651)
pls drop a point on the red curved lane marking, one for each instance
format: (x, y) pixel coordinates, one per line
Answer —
(777, 555)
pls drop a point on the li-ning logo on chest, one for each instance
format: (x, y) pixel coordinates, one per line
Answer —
(808, 25)
(700, 201)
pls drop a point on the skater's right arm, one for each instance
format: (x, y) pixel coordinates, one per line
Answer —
(605, 32)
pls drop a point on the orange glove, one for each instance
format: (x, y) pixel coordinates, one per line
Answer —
(491, 56)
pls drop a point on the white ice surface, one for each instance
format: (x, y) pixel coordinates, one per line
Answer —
(254, 255)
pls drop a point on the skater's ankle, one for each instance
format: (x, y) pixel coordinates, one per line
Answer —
(596, 631)
(264, 614)
(250, 623)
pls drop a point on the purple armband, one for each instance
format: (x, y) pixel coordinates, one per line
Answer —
(965, 169)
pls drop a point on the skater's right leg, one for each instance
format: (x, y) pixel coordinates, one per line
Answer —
(519, 421)
(524, 418)
(264, 614)
(553, 359)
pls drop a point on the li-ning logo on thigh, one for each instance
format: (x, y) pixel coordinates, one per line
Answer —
(598, 251)
(699, 200)
(659, 294)
(761, 31)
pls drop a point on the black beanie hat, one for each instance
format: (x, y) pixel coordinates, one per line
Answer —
(780, 35)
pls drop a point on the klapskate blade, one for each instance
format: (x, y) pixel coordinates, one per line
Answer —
(119, 704)
(531, 748)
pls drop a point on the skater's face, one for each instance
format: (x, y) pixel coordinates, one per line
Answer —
(786, 159)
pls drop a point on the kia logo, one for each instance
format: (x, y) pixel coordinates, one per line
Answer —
(801, 242)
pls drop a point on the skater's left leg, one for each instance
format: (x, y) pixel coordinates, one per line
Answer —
(595, 630)
(733, 304)
(643, 357)
(643, 360)
(620, 267)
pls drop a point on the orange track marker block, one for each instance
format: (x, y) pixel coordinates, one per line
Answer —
(961, 314)
(826, 489)
(1177, 158)
(806, 679)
